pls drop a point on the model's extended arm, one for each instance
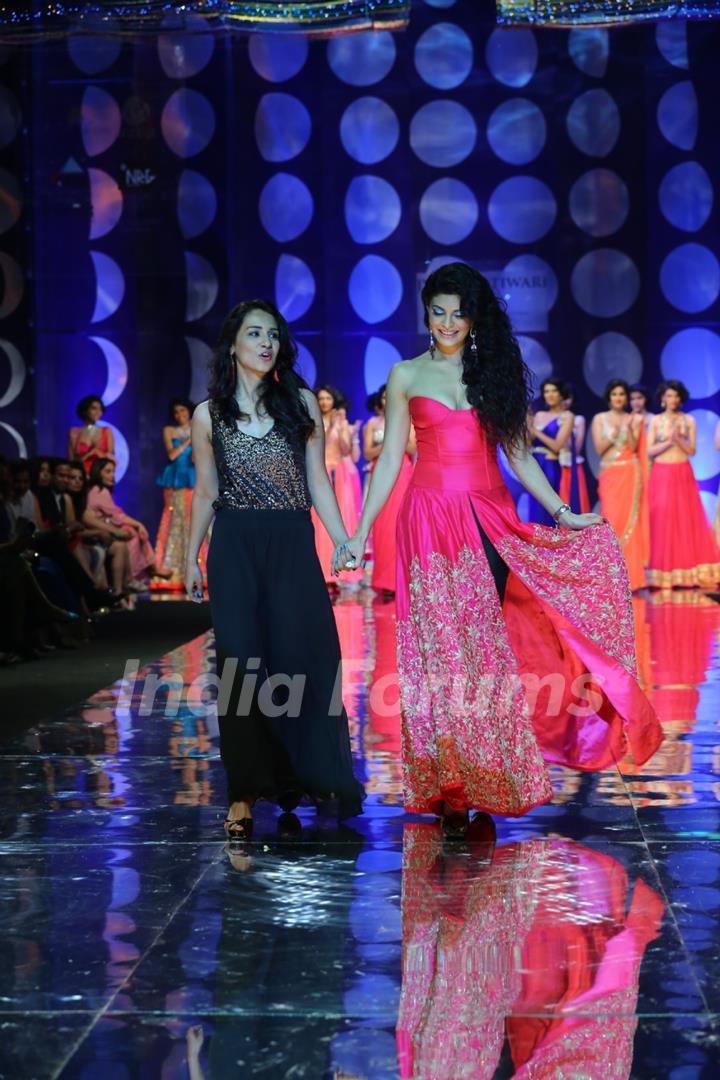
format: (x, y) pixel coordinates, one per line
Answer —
(204, 495)
(395, 441)
(533, 479)
(321, 491)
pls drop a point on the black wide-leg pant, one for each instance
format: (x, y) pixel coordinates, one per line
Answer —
(273, 619)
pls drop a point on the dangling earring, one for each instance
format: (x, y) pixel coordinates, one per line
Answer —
(431, 346)
(473, 343)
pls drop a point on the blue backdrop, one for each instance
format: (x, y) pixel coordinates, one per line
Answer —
(172, 176)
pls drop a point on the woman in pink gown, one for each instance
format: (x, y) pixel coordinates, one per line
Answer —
(515, 641)
(344, 478)
(384, 548)
(683, 551)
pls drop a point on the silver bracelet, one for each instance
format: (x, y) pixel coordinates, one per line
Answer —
(560, 511)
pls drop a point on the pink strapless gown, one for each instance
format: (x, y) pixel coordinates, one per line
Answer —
(491, 693)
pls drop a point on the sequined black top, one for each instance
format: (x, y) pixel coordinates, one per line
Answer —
(266, 473)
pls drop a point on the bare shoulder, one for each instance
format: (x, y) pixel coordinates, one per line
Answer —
(415, 362)
(310, 400)
(404, 374)
(201, 420)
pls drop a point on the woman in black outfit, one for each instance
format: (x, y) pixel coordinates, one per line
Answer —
(258, 448)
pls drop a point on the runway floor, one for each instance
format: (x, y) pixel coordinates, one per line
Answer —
(584, 942)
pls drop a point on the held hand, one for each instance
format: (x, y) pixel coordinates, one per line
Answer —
(347, 556)
(569, 520)
(194, 584)
(194, 1036)
(123, 534)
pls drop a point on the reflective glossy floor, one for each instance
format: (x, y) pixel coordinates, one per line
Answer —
(582, 941)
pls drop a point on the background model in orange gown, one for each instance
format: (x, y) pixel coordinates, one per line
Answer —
(619, 438)
(683, 551)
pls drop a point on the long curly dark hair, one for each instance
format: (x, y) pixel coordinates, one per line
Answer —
(496, 378)
(279, 395)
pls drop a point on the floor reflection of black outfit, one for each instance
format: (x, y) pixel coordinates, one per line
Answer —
(269, 602)
(280, 957)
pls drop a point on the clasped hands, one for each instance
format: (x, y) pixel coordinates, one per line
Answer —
(348, 555)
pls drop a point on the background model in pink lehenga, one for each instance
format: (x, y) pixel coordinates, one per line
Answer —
(683, 550)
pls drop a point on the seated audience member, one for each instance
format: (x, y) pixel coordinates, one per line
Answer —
(20, 504)
(102, 540)
(100, 500)
(59, 571)
(26, 614)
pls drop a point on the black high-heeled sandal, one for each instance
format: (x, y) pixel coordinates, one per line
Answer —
(238, 829)
(289, 827)
(289, 799)
(455, 825)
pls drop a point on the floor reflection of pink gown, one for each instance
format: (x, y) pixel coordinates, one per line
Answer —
(532, 942)
(683, 626)
(492, 692)
(384, 530)
(345, 480)
(383, 709)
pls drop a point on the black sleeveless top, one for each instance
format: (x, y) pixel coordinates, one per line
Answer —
(266, 473)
